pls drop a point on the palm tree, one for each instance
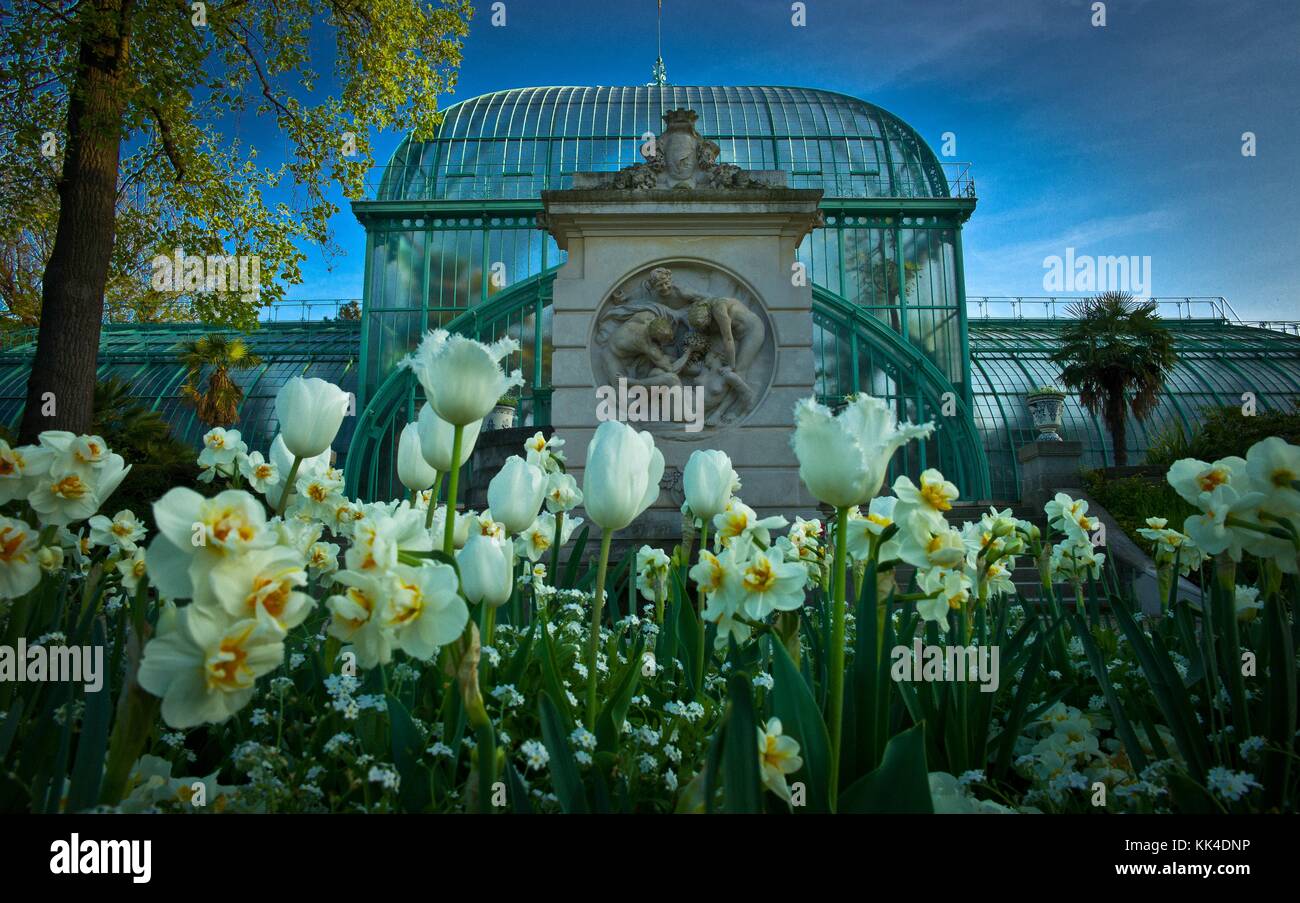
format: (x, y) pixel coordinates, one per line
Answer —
(218, 404)
(1116, 355)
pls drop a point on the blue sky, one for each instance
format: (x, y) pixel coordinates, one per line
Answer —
(1116, 140)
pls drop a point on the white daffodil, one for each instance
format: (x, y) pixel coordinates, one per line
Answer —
(921, 508)
(205, 668)
(516, 493)
(1210, 529)
(652, 572)
(437, 437)
(310, 412)
(466, 523)
(262, 475)
(545, 453)
(132, 569)
(622, 475)
(123, 532)
(486, 566)
(1246, 603)
(945, 548)
(18, 469)
(424, 609)
(1190, 477)
(1076, 560)
(317, 494)
(843, 457)
(282, 459)
(462, 378)
(778, 756)
(768, 583)
(50, 558)
(951, 588)
(195, 533)
(740, 526)
(709, 481)
(1273, 466)
(382, 534)
(323, 557)
(221, 447)
(538, 539)
(714, 574)
(562, 493)
(863, 531)
(20, 570)
(354, 617)
(412, 469)
(260, 584)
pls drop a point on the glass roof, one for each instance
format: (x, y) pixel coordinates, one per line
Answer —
(147, 358)
(1218, 363)
(514, 144)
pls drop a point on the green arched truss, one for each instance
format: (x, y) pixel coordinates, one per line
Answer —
(854, 352)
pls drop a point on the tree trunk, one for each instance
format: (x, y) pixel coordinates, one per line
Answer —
(61, 387)
(1117, 422)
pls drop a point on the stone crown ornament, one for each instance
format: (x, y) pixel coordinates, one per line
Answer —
(680, 159)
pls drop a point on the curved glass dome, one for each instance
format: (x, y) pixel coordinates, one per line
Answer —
(1218, 361)
(515, 144)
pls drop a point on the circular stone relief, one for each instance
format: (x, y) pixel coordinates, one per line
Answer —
(682, 348)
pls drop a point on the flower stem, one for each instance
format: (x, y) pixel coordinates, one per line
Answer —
(433, 499)
(288, 486)
(699, 603)
(449, 531)
(555, 547)
(593, 640)
(836, 689)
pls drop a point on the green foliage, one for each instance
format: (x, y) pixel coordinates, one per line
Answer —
(191, 89)
(1131, 500)
(1225, 432)
(1116, 355)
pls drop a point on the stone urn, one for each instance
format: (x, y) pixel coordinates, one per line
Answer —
(501, 417)
(1046, 407)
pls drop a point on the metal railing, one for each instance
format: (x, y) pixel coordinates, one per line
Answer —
(1026, 307)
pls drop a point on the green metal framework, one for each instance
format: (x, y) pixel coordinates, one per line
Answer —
(1219, 362)
(147, 358)
(452, 241)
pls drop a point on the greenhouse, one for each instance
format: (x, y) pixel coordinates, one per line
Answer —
(452, 240)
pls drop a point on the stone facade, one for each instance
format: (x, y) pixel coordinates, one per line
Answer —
(694, 287)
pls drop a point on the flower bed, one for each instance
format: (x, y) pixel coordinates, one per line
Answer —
(279, 647)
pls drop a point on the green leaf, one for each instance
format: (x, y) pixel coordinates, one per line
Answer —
(551, 679)
(564, 768)
(742, 789)
(575, 558)
(610, 720)
(1190, 798)
(900, 786)
(1098, 664)
(88, 770)
(415, 793)
(9, 727)
(793, 703)
(519, 800)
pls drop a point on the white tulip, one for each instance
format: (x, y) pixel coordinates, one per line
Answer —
(436, 436)
(462, 377)
(486, 569)
(709, 481)
(622, 475)
(843, 457)
(310, 412)
(414, 472)
(516, 493)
